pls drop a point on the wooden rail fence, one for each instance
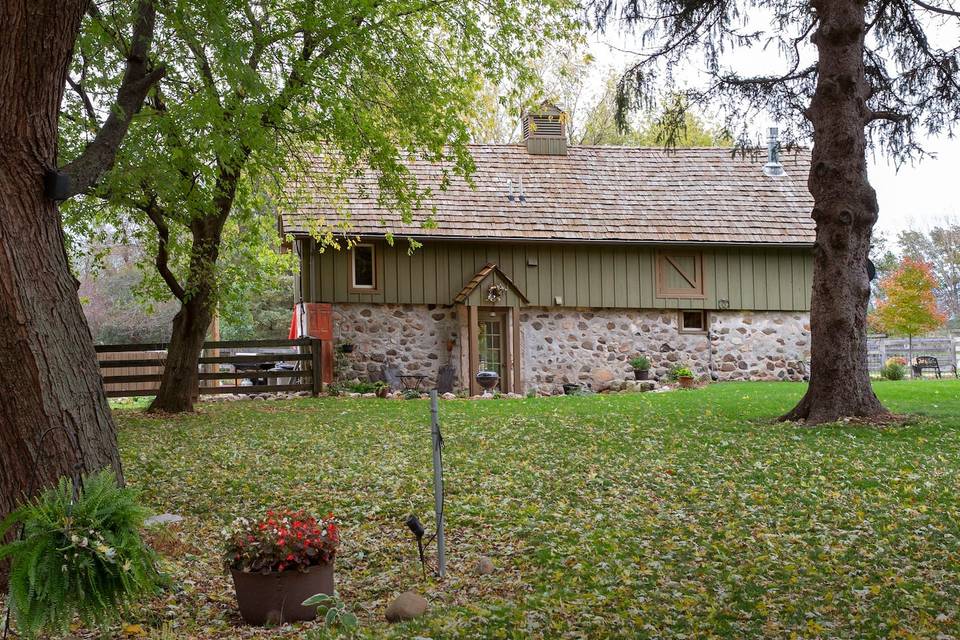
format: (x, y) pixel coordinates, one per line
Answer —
(136, 369)
(945, 348)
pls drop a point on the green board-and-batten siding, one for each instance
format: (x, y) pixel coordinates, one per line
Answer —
(587, 275)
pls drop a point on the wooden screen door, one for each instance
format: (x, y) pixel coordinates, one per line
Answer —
(492, 344)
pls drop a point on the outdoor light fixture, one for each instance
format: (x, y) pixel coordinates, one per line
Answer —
(56, 185)
(414, 524)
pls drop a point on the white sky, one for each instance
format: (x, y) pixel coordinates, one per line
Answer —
(917, 196)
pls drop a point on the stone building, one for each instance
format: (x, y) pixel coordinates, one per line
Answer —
(560, 263)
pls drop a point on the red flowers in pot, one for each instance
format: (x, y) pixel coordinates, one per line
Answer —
(280, 560)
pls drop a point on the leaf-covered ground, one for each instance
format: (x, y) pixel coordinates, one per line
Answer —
(676, 515)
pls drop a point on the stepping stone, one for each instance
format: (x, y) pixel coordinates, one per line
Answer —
(163, 518)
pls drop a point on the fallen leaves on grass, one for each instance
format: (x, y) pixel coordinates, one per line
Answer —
(636, 516)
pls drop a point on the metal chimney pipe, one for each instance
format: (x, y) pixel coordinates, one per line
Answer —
(773, 168)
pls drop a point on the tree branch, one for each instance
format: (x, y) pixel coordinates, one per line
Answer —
(886, 114)
(155, 213)
(77, 87)
(138, 77)
(935, 9)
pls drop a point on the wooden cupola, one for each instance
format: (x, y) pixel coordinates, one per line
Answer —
(545, 130)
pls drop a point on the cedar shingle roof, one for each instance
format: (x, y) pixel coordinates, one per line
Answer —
(604, 194)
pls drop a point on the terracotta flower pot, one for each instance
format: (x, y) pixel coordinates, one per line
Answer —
(641, 374)
(276, 597)
(686, 382)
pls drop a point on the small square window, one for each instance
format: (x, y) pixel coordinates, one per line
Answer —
(364, 267)
(693, 321)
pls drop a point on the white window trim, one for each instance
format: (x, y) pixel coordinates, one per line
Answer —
(353, 267)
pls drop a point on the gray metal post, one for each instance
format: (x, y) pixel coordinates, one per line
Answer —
(437, 483)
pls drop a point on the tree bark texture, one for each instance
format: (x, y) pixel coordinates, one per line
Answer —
(845, 210)
(50, 384)
(180, 373)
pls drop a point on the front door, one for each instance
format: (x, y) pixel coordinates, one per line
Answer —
(492, 343)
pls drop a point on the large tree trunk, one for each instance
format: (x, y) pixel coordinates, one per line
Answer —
(179, 381)
(845, 210)
(50, 385)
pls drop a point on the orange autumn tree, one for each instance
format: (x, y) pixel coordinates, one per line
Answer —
(907, 305)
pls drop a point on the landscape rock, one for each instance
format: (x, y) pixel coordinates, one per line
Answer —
(449, 396)
(163, 518)
(484, 566)
(406, 606)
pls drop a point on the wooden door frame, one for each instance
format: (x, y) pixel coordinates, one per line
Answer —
(503, 314)
(470, 356)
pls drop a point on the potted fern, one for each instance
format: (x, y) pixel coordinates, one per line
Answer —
(77, 557)
(278, 562)
(641, 367)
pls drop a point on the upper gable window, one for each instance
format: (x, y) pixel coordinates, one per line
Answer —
(364, 267)
(680, 274)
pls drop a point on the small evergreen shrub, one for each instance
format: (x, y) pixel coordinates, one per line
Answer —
(894, 369)
(83, 558)
(640, 363)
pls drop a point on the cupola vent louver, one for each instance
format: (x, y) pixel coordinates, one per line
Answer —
(545, 130)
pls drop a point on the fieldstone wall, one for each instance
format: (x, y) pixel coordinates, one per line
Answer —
(760, 345)
(587, 346)
(593, 347)
(412, 338)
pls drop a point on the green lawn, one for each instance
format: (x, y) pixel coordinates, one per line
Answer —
(674, 515)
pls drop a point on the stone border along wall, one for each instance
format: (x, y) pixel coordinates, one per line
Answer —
(412, 338)
(594, 347)
(587, 346)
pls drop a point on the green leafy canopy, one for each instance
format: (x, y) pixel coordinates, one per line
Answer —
(255, 90)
